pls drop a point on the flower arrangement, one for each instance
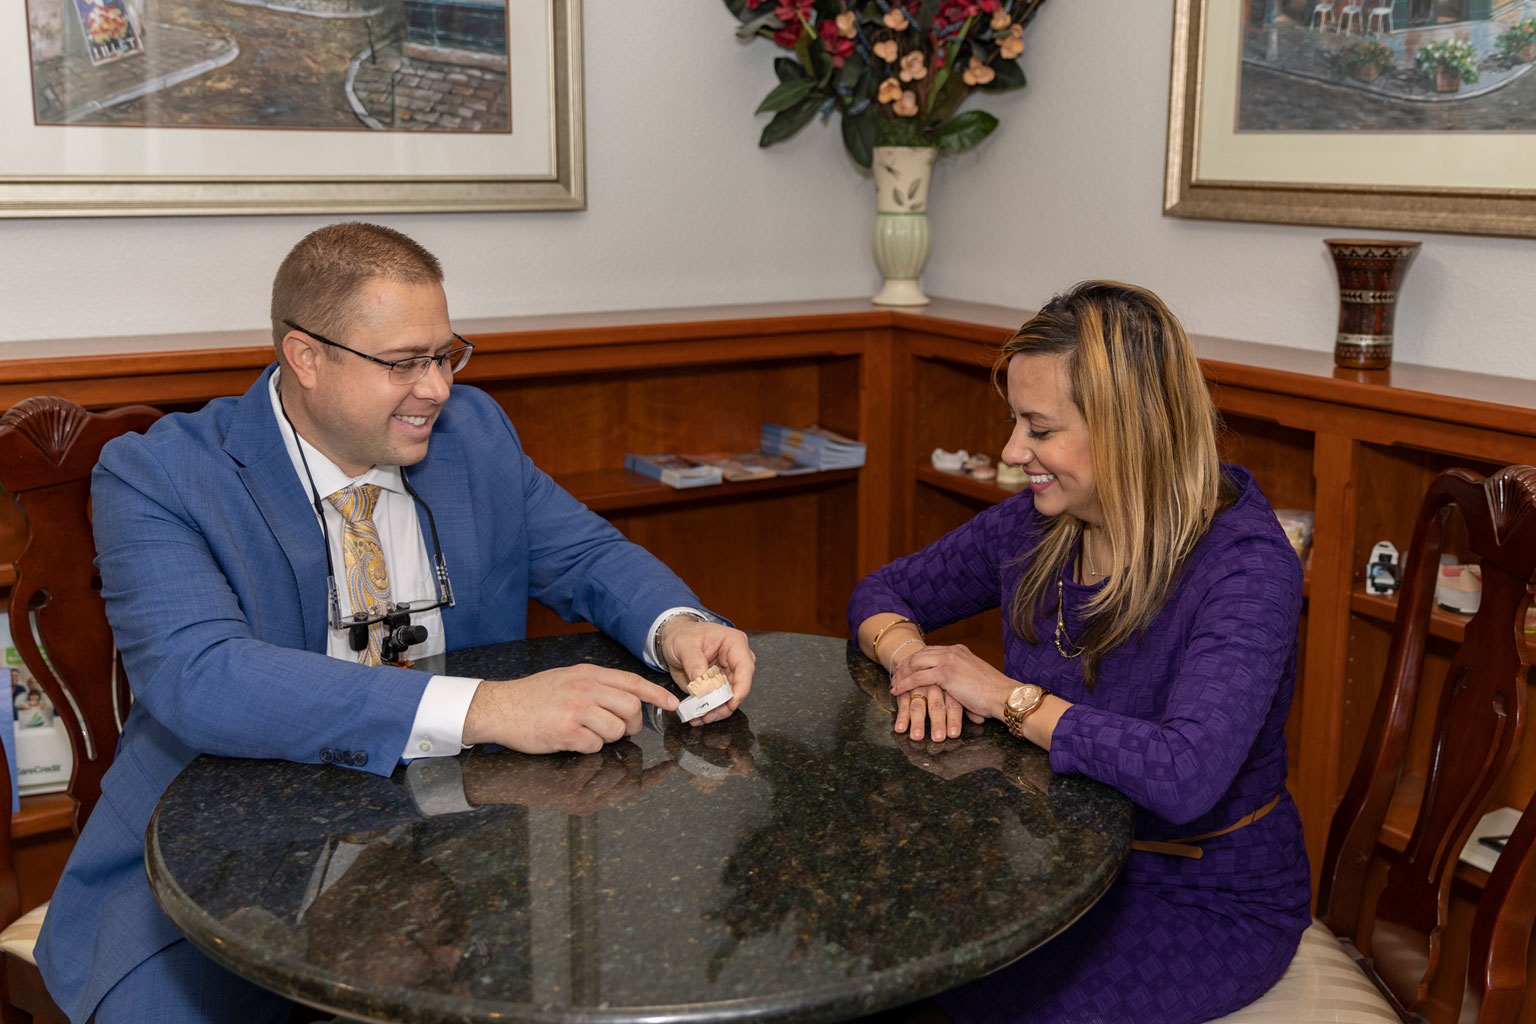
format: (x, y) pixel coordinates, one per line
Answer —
(1365, 59)
(1518, 37)
(1456, 57)
(896, 70)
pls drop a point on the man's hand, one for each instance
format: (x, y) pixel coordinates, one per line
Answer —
(688, 647)
(578, 708)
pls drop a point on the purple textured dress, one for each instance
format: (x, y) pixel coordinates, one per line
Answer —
(1188, 721)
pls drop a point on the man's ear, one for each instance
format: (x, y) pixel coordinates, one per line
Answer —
(302, 355)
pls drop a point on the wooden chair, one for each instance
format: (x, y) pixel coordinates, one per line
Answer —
(1373, 957)
(48, 447)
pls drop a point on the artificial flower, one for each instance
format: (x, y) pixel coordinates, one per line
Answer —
(896, 19)
(890, 90)
(847, 25)
(907, 105)
(1000, 20)
(912, 67)
(978, 73)
(886, 50)
(1011, 45)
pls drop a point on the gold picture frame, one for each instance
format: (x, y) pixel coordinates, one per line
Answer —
(543, 169)
(1321, 183)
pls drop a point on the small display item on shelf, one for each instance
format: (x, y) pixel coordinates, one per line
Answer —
(974, 462)
(1297, 524)
(1381, 572)
(985, 472)
(950, 462)
(1009, 475)
(1459, 588)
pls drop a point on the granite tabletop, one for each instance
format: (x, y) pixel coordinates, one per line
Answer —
(794, 862)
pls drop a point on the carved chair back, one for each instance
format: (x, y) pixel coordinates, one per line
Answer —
(1479, 715)
(48, 447)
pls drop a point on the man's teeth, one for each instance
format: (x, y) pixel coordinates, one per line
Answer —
(414, 421)
(1041, 478)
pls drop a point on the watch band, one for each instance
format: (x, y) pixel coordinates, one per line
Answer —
(1014, 717)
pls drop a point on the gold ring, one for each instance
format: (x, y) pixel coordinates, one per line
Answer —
(919, 697)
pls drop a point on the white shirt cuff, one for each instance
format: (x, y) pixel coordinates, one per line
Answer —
(439, 724)
(651, 654)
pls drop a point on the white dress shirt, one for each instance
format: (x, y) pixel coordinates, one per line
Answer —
(439, 723)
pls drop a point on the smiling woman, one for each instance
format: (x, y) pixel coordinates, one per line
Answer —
(1151, 604)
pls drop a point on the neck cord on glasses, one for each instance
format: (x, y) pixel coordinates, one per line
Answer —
(440, 566)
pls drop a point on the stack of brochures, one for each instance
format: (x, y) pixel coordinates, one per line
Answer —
(816, 447)
(673, 470)
(747, 465)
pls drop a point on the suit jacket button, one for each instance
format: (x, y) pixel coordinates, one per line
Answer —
(327, 755)
(360, 758)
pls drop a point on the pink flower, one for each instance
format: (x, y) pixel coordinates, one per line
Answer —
(978, 73)
(906, 106)
(890, 91)
(838, 48)
(788, 36)
(886, 50)
(912, 67)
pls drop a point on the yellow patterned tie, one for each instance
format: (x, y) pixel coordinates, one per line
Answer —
(363, 559)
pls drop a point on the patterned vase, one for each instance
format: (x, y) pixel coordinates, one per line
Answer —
(902, 237)
(1370, 274)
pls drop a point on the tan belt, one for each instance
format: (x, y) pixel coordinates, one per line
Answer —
(1185, 847)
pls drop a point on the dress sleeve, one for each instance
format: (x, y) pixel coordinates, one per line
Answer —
(956, 576)
(1238, 651)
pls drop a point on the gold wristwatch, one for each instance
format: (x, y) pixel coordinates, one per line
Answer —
(1024, 701)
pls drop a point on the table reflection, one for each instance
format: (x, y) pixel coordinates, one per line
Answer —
(796, 860)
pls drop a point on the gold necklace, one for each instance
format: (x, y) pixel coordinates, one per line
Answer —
(1061, 627)
(1088, 556)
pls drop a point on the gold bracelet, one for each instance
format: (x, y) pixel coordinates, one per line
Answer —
(874, 645)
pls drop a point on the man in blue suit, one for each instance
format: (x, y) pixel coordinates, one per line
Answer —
(237, 544)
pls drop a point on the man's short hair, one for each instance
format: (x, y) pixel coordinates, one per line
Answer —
(321, 278)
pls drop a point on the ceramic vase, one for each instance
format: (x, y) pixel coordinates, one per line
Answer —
(1371, 274)
(902, 236)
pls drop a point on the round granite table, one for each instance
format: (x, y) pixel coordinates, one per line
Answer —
(794, 862)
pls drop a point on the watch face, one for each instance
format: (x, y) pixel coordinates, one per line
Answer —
(1022, 697)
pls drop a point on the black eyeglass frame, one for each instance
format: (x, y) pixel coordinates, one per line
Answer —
(466, 347)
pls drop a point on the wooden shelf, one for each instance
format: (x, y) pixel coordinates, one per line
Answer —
(1383, 608)
(959, 483)
(620, 490)
(43, 813)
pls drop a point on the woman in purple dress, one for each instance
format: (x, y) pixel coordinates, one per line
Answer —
(1150, 606)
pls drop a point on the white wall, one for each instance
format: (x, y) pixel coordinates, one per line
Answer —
(684, 209)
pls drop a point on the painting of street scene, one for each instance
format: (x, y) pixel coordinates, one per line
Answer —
(1388, 65)
(368, 65)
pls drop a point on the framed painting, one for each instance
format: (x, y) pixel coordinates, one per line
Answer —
(1405, 114)
(217, 107)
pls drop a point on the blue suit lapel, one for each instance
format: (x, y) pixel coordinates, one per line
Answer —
(257, 447)
(442, 480)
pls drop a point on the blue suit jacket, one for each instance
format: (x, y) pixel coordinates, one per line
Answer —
(214, 575)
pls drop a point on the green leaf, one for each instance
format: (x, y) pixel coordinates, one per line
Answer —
(821, 61)
(966, 130)
(848, 77)
(859, 137)
(1009, 76)
(788, 70)
(945, 99)
(786, 94)
(786, 122)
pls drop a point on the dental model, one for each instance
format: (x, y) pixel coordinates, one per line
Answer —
(707, 692)
(949, 461)
(1011, 476)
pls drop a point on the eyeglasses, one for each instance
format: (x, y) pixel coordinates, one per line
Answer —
(411, 369)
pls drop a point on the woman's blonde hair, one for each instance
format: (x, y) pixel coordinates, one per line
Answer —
(1152, 434)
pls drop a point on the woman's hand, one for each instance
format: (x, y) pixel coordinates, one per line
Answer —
(966, 680)
(928, 711)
